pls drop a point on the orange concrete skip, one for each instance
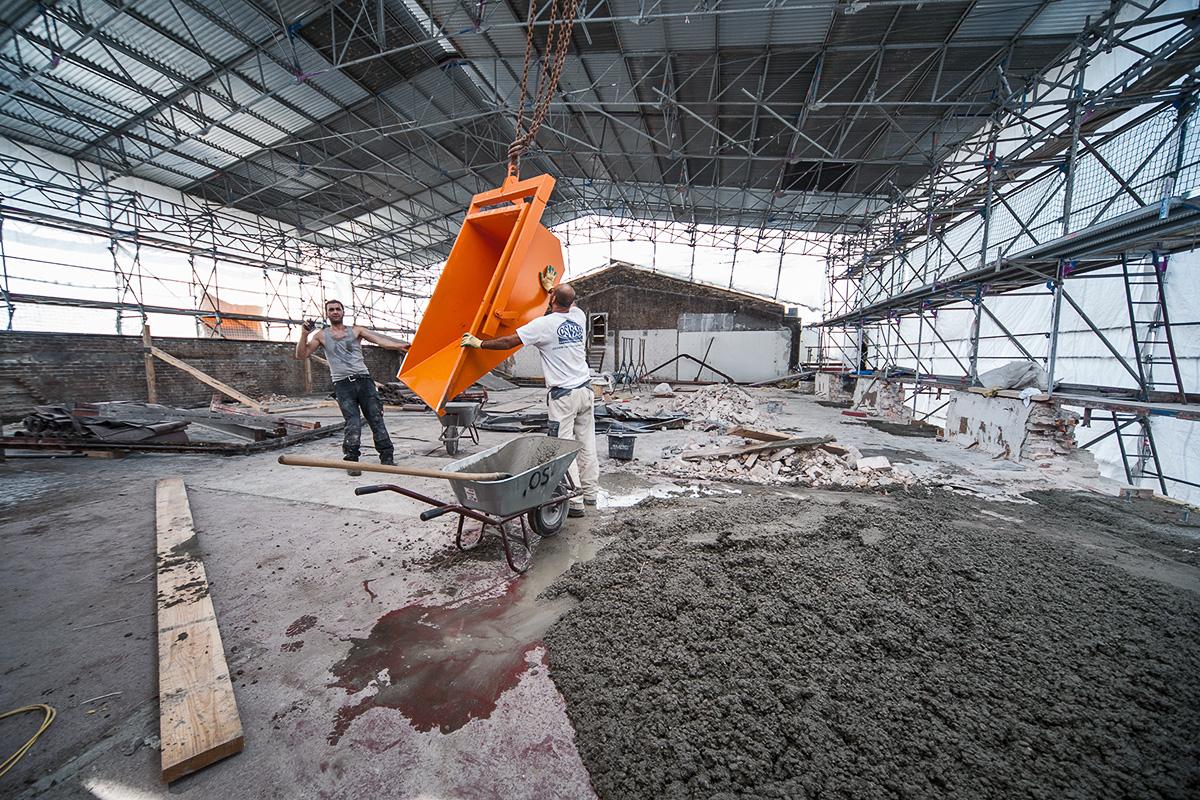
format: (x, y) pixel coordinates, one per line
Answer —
(488, 287)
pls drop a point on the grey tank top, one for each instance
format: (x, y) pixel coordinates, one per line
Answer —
(344, 355)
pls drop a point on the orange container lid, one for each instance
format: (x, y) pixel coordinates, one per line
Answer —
(489, 287)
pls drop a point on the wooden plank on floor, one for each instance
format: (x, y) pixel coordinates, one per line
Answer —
(758, 434)
(198, 716)
(766, 447)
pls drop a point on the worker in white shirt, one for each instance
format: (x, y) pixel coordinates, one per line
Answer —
(558, 337)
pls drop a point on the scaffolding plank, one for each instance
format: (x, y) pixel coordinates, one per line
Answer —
(198, 717)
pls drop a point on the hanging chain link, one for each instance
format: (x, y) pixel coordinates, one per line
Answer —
(558, 43)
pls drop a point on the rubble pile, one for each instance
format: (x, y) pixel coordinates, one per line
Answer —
(1049, 432)
(825, 465)
(721, 405)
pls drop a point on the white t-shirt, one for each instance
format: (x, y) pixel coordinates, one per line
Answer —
(558, 338)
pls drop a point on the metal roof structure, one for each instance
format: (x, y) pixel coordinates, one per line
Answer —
(372, 122)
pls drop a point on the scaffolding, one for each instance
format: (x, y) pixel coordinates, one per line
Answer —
(1072, 184)
(132, 219)
(948, 160)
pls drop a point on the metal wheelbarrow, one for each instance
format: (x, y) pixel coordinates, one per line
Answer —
(535, 495)
(460, 417)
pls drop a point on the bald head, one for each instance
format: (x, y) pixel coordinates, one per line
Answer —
(563, 297)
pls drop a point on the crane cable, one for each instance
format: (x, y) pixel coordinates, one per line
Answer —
(49, 713)
(558, 42)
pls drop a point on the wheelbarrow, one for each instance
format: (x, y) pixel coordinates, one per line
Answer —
(524, 480)
(460, 417)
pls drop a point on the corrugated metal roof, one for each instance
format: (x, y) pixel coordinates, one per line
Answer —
(307, 101)
(727, 46)
(254, 23)
(692, 33)
(214, 154)
(193, 28)
(996, 19)
(787, 26)
(644, 38)
(801, 26)
(176, 163)
(64, 133)
(148, 44)
(118, 94)
(336, 83)
(1066, 17)
(167, 178)
(252, 126)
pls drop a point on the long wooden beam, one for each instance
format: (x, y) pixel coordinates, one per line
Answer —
(198, 717)
(205, 378)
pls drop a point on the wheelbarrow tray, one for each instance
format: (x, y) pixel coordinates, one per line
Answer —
(537, 463)
(461, 414)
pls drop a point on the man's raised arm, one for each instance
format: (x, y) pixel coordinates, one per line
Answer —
(307, 344)
(386, 342)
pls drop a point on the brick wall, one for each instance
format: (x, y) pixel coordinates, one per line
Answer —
(635, 299)
(64, 367)
(640, 300)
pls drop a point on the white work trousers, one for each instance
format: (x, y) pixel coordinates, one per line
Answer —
(576, 418)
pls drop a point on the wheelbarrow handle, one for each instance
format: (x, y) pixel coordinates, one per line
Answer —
(361, 490)
(416, 472)
(434, 513)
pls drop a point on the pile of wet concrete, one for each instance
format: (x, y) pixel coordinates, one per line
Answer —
(865, 647)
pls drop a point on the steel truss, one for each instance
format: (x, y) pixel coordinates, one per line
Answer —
(39, 189)
(373, 123)
(1066, 182)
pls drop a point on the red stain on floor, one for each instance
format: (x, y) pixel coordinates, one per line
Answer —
(439, 666)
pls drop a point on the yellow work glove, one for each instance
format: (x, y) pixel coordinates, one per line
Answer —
(471, 341)
(547, 278)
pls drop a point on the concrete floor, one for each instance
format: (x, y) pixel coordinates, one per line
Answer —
(369, 657)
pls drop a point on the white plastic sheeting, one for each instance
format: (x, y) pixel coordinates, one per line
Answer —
(1146, 155)
(1082, 357)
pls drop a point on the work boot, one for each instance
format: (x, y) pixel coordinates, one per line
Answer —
(353, 473)
(575, 512)
(387, 461)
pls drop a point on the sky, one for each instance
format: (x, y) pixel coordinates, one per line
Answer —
(800, 282)
(42, 261)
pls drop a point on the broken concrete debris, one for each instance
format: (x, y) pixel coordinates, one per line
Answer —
(1008, 427)
(874, 464)
(817, 461)
(718, 405)
(1049, 431)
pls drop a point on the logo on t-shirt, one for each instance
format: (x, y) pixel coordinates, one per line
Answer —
(570, 333)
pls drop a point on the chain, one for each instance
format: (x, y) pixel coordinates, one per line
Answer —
(558, 42)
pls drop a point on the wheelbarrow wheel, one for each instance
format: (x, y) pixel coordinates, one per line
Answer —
(451, 438)
(548, 520)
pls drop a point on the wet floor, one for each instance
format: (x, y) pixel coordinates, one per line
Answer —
(344, 619)
(442, 665)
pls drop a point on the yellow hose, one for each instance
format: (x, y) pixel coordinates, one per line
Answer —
(50, 713)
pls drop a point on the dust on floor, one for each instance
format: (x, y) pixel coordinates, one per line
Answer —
(855, 646)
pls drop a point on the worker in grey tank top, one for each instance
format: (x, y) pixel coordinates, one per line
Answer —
(352, 383)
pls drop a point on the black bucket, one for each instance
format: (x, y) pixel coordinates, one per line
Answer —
(620, 443)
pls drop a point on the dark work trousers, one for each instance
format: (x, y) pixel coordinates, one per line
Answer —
(355, 393)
